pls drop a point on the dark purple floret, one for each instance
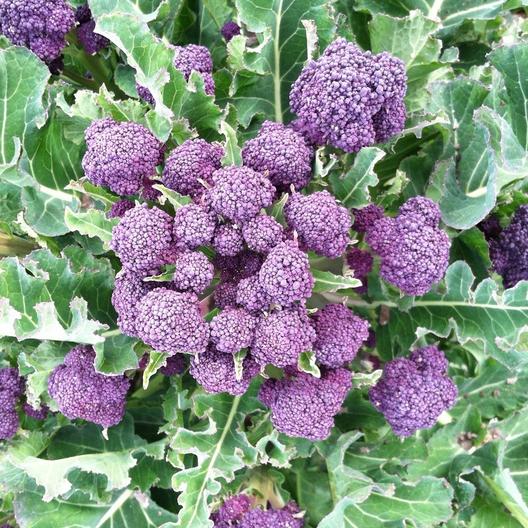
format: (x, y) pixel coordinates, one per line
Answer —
(233, 329)
(120, 156)
(241, 266)
(119, 208)
(282, 154)
(321, 223)
(171, 322)
(193, 272)
(11, 388)
(412, 393)
(225, 294)
(175, 365)
(215, 371)
(195, 58)
(231, 511)
(194, 226)
(229, 30)
(227, 240)
(349, 98)
(81, 392)
(287, 517)
(252, 295)
(366, 217)
(40, 25)
(239, 193)
(509, 252)
(262, 233)
(340, 335)
(148, 192)
(360, 262)
(421, 206)
(191, 165)
(91, 42)
(304, 406)
(11, 383)
(145, 94)
(491, 227)
(38, 414)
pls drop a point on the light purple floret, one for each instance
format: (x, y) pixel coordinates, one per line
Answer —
(215, 371)
(287, 517)
(11, 388)
(171, 322)
(190, 164)
(38, 414)
(282, 154)
(145, 94)
(227, 240)
(340, 335)
(225, 294)
(412, 393)
(349, 98)
(421, 206)
(195, 58)
(282, 336)
(193, 272)
(119, 208)
(233, 329)
(262, 233)
(366, 217)
(239, 193)
(120, 155)
(143, 239)
(40, 25)
(194, 226)
(251, 294)
(304, 406)
(229, 30)
(92, 42)
(285, 274)
(231, 511)
(81, 392)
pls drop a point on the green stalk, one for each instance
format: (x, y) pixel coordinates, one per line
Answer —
(80, 80)
(11, 246)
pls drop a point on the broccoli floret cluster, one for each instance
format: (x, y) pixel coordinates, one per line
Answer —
(233, 329)
(91, 42)
(282, 154)
(509, 251)
(251, 294)
(304, 406)
(349, 98)
(193, 272)
(145, 94)
(194, 226)
(320, 222)
(40, 25)
(37, 414)
(229, 30)
(232, 511)
(81, 392)
(189, 167)
(175, 365)
(491, 227)
(195, 58)
(412, 393)
(119, 208)
(262, 233)
(414, 251)
(227, 240)
(366, 217)
(11, 388)
(225, 294)
(360, 262)
(120, 156)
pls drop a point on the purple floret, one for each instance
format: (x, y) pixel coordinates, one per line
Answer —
(194, 226)
(285, 274)
(92, 42)
(119, 208)
(366, 217)
(143, 239)
(340, 335)
(231, 511)
(233, 329)
(38, 414)
(282, 336)
(171, 322)
(229, 30)
(11, 382)
(423, 207)
(241, 266)
(215, 371)
(262, 233)
(175, 365)
(304, 406)
(252, 295)
(349, 98)
(360, 262)
(40, 25)
(287, 517)
(412, 393)
(190, 164)
(225, 294)
(145, 94)
(509, 252)
(193, 272)
(491, 227)
(282, 154)
(195, 58)
(227, 240)
(81, 392)
(120, 156)
(321, 223)
(11, 388)
(239, 193)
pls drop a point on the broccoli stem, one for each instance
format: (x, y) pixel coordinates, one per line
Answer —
(15, 246)
(70, 75)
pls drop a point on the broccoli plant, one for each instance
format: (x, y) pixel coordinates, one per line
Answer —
(263, 264)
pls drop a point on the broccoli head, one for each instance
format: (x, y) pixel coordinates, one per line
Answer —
(145, 94)
(119, 208)
(366, 217)
(38, 414)
(262, 233)
(252, 295)
(225, 294)
(91, 42)
(193, 272)
(233, 329)
(229, 30)
(227, 240)
(195, 58)
(194, 226)
(11, 388)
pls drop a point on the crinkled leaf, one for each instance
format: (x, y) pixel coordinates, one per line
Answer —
(326, 281)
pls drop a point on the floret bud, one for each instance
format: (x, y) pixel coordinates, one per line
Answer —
(195, 58)
(229, 30)
(366, 217)
(233, 329)
(193, 272)
(262, 233)
(251, 294)
(194, 226)
(119, 208)
(225, 294)
(227, 240)
(91, 42)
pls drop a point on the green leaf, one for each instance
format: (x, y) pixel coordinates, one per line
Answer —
(233, 153)
(326, 281)
(92, 223)
(177, 200)
(156, 361)
(115, 354)
(307, 363)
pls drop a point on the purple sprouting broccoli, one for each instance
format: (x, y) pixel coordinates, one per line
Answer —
(412, 393)
(215, 372)
(414, 254)
(282, 336)
(143, 239)
(148, 192)
(145, 94)
(491, 227)
(304, 406)
(40, 25)
(38, 414)
(241, 266)
(340, 334)
(171, 322)
(366, 217)
(349, 98)
(119, 208)
(320, 222)
(251, 294)
(287, 517)
(193, 272)
(175, 365)
(232, 511)
(233, 329)
(189, 167)
(229, 30)
(262, 233)
(509, 252)
(11, 388)
(195, 58)
(227, 240)
(282, 154)
(225, 294)
(239, 193)
(423, 207)
(120, 156)
(285, 274)
(360, 262)
(91, 42)
(194, 226)
(81, 392)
